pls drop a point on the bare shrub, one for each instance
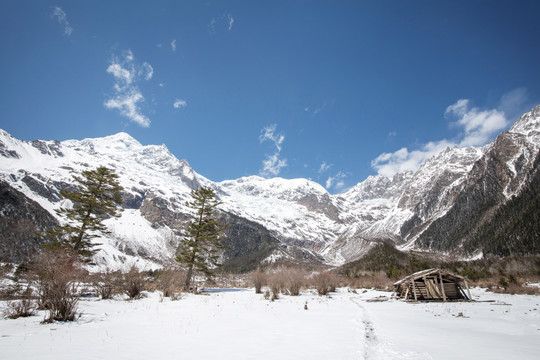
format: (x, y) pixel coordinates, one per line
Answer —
(20, 308)
(57, 275)
(105, 284)
(5, 270)
(258, 278)
(23, 307)
(378, 280)
(325, 282)
(294, 279)
(276, 282)
(132, 283)
(170, 282)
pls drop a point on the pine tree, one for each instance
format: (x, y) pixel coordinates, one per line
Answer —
(200, 248)
(97, 197)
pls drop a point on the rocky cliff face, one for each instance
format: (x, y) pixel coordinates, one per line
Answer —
(447, 205)
(20, 222)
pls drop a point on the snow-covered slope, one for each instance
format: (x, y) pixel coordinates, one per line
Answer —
(297, 214)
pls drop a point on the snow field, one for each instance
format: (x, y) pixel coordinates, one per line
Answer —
(238, 324)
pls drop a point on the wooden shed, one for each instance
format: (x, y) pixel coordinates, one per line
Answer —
(433, 285)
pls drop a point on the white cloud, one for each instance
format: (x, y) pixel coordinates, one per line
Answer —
(273, 164)
(127, 99)
(149, 71)
(268, 133)
(62, 20)
(173, 45)
(478, 125)
(324, 166)
(314, 111)
(120, 73)
(230, 20)
(476, 128)
(212, 26)
(179, 103)
(126, 103)
(337, 181)
(389, 164)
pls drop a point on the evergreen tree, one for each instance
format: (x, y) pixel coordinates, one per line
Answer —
(96, 198)
(200, 248)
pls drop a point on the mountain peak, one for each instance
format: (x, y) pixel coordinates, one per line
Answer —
(528, 124)
(122, 137)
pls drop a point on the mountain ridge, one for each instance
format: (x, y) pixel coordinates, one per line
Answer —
(298, 218)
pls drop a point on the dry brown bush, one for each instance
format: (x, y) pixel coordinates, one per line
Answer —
(514, 289)
(57, 276)
(170, 282)
(19, 308)
(325, 282)
(105, 284)
(378, 280)
(276, 281)
(294, 280)
(259, 279)
(24, 307)
(132, 283)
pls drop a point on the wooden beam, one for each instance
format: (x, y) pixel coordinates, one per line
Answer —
(468, 291)
(442, 286)
(434, 288)
(414, 291)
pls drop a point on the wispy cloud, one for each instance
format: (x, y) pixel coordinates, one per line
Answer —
(128, 106)
(179, 103)
(173, 45)
(212, 26)
(476, 127)
(219, 24)
(324, 167)
(127, 99)
(148, 71)
(269, 133)
(327, 104)
(272, 164)
(61, 16)
(230, 20)
(336, 182)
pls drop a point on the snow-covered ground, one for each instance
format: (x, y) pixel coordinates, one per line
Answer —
(238, 324)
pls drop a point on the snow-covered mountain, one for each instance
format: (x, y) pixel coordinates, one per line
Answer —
(274, 218)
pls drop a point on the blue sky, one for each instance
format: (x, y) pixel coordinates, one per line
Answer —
(333, 91)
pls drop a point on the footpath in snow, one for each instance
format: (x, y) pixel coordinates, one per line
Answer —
(238, 324)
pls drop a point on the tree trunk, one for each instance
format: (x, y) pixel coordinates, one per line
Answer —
(188, 278)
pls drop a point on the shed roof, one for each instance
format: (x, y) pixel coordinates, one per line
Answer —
(427, 272)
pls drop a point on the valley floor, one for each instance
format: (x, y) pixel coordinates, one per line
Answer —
(238, 324)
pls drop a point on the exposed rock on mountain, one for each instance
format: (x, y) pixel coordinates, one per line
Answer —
(20, 221)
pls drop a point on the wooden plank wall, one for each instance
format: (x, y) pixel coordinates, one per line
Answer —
(429, 289)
